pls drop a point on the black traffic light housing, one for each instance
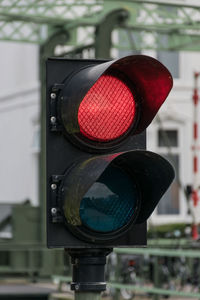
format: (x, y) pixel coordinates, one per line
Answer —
(101, 183)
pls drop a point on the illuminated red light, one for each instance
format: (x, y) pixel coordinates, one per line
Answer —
(107, 111)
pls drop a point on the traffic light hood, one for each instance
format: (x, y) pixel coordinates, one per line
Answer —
(149, 81)
(143, 168)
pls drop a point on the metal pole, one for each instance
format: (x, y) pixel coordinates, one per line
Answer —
(88, 275)
(103, 34)
(195, 196)
(88, 295)
(156, 277)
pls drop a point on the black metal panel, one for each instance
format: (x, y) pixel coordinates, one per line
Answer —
(61, 154)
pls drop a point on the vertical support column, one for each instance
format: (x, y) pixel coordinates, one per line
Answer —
(195, 196)
(156, 276)
(88, 296)
(118, 268)
(103, 34)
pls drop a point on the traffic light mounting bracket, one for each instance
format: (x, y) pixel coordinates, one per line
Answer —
(56, 88)
(55, 210)
(88, 274)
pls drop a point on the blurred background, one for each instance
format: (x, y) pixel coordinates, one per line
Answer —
(31, 31)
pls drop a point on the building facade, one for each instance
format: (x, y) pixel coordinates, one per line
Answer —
(19, 128)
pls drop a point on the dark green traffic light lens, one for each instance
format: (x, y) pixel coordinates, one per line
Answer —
(110, 203)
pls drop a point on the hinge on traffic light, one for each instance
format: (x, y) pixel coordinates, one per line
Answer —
(55, 126)
(55, 210)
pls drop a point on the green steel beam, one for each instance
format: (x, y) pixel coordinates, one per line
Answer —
(176, 3)
(154, 41)
(172, 243)
(103, 34)
(87, 295)
(140, 289)
(28, 21)
(153, 290)
(48, 12)
(159, 252)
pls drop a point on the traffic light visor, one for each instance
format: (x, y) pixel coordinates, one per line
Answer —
(101, 104)
(113, 192)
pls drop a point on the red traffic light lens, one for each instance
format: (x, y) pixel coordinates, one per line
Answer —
(107, 111)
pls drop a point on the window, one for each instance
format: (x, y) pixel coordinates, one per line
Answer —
(167, 138)
(169, 204)
(167, 142)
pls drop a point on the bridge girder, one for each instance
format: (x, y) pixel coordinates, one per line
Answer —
(157, 25)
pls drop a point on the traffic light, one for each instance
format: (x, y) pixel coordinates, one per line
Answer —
(102, 185)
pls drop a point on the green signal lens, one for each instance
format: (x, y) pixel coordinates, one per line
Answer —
(110, 203)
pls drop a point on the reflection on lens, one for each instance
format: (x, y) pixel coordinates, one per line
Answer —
(110, 202)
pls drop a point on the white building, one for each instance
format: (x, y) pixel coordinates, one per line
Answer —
(19, 115)
(176, 117)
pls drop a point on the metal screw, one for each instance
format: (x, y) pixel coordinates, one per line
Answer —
(54, 186)
(53, 211)
(76, 287)
(53, 120)
(53, 96)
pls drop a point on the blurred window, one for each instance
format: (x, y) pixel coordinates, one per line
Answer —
(170, 203)
(167, 138)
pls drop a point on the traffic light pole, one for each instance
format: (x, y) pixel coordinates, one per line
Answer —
(88, 296)
(88, 275)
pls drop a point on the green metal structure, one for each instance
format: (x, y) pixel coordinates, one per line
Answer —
(158, 290)
(142, 288)
(35, 21)
(24, 254)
